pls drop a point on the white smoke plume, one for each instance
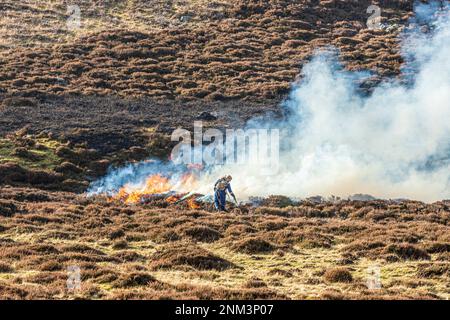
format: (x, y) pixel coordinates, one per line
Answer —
(394, 143)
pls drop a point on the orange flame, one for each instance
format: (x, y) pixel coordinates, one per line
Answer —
(172, 199)
(192, 204)
(156, 184)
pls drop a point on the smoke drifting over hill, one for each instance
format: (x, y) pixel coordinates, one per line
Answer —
(394, 143)
(391, 144)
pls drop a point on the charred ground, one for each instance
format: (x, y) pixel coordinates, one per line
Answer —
(158, 65)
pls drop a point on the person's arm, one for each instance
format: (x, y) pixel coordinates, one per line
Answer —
(231, 192)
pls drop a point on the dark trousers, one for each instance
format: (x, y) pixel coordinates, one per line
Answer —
(219, 199)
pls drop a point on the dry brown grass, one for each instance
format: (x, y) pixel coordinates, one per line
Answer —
(253, 245)
(338, 275)
(235, 59)
(190, 50)
(184, 254)
(151, 253)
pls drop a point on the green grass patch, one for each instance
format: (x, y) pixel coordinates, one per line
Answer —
(42, 155)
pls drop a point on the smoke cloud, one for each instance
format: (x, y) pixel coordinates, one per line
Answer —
(394, 143)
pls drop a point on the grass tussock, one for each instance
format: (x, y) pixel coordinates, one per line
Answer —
(178, 255)
(408, 252)
(5, 268)
(338, 275)
(253, 246)
(151, 252)
(202, 234)
(135, 279)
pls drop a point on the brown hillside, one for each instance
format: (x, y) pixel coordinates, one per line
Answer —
(76, 102)
(188, 50)
(148, 252)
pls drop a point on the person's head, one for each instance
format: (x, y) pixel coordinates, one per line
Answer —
(228, 178)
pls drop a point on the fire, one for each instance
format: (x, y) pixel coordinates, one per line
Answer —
(159, 185)
(192, 204)
(187, 182)
(155, 184)
(172, 199)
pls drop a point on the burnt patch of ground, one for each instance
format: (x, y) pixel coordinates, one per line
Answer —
(74, 103)
(115, 125)
(67, 142)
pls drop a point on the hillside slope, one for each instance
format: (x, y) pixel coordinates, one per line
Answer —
(76, 102)
(303, 251)
(188, 49)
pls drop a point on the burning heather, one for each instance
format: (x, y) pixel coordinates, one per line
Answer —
(171, 184)
(154, 185)
(391, 144)
(322, 176)
(159, 187)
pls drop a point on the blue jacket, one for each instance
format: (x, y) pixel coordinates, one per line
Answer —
(225, 185)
